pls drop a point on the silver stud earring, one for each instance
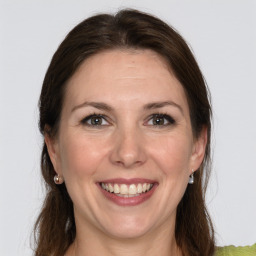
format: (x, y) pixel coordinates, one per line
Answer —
(191, 178)
(58, 179)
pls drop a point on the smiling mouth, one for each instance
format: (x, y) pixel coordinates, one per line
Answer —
(127, 191)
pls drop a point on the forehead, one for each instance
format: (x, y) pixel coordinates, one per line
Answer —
(128, 62)
(126, 75)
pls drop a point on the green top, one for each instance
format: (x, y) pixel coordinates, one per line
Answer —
(236, 251)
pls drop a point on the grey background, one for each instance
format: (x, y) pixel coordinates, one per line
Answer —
(222, 35)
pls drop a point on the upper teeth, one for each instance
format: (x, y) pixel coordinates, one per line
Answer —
(124, 189)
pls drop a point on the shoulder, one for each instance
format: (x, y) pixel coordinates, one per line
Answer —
(236, 251)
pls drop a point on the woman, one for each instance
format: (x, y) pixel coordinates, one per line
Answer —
(126, 118)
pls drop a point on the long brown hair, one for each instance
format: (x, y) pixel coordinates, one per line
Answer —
(55, 228)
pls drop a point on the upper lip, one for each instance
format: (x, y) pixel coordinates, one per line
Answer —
(128, 181)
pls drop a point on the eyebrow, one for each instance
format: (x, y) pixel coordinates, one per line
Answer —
(98, 105)
(161, 104)
(106, 107)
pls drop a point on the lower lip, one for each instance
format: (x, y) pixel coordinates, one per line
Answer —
(128, 201)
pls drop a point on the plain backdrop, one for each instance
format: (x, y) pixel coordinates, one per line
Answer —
(222, 35)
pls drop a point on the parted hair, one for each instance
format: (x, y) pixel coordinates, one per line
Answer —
(55, 227)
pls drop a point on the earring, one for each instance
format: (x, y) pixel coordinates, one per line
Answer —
(58, 179)
(191, 178)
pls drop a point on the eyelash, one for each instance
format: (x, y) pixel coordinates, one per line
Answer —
(166, 117)
(88, 118)
(170, 120)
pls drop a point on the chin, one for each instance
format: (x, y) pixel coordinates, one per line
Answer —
(128, 228)
(127, 232)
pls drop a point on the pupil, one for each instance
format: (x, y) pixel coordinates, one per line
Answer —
(158, 121)
(96, 120)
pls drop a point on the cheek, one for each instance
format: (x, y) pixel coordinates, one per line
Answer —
(173, 154)
(80, 156)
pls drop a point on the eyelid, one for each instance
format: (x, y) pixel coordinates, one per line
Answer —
(85, 120)
(169, 118)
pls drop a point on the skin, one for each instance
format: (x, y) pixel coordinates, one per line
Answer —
(126, 145)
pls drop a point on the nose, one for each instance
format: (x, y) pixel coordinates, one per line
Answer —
(128, 149)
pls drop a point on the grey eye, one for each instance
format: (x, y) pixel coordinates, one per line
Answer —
(160, 120)
(95, 120)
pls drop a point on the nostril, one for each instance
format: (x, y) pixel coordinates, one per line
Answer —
(127, 152)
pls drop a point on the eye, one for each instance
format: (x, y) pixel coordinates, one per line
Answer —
(95, 120)
(160, 120)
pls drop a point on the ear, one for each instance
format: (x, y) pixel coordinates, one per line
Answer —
(53, 151)
(198, 150)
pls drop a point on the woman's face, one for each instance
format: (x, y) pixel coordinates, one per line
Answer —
(125, 128)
